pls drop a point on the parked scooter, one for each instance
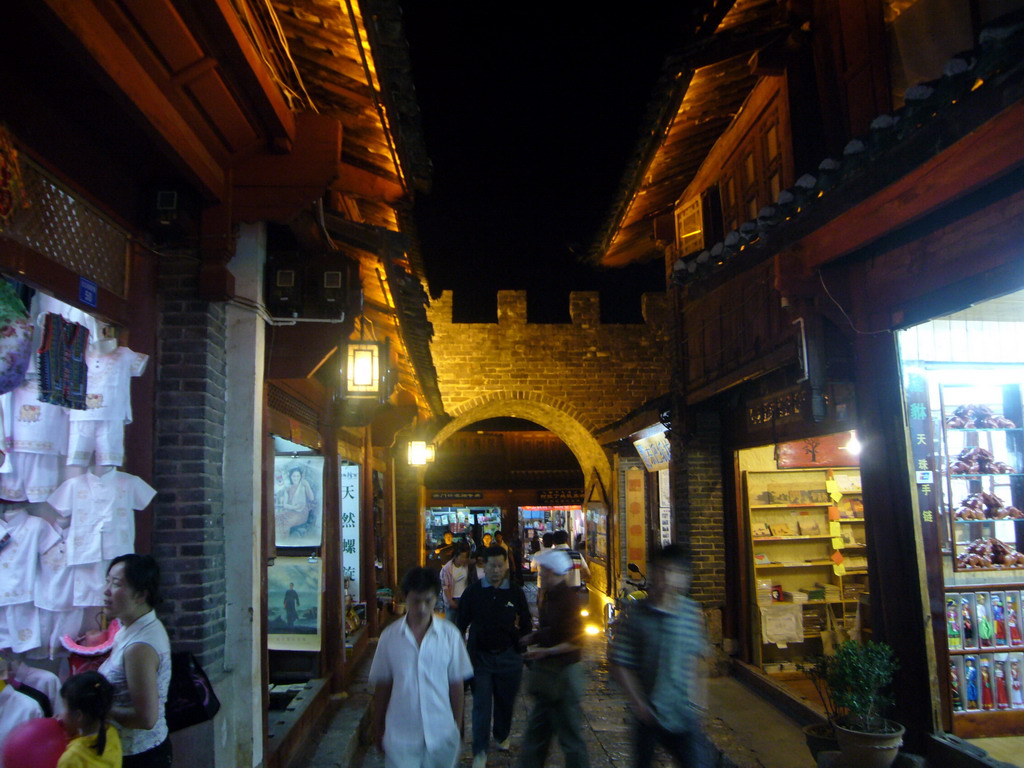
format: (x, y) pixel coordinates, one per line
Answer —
(631, 590)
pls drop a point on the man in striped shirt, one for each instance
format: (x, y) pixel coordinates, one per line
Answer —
(656, 655)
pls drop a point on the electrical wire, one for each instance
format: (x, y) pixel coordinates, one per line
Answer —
(288, 54)
(821, 278)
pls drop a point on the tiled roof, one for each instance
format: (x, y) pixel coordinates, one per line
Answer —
(975, 86)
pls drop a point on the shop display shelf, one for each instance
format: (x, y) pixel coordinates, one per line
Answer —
(989, 520)
(953, 476)
(953, 430)
(790, 506)
(806, 564)
(991, 569)
(850, 520)
(761, 539)
(848, 601)
(974, 650)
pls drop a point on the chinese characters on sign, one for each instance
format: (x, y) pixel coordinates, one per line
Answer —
(664, 507)
(636, 544)
(653, 446)
(920, 428)
(349, 489)
(559, 496)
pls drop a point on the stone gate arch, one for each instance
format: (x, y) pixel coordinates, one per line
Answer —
(560, 418)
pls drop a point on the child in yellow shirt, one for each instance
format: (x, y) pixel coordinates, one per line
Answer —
(94, 744)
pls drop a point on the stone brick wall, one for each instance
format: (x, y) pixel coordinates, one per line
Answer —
(596, 373)
(188, 537)
(697, 495)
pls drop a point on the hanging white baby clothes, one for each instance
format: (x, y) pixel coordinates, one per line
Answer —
(99, 428)
(102, 511)
(23, 538)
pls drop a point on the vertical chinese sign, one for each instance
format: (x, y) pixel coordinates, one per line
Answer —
(664, 507)
(349, 488)
(636, 542)
(921, 433)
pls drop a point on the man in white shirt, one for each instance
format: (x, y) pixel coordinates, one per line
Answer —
(580, 573)
(419, 669)
(454, 579)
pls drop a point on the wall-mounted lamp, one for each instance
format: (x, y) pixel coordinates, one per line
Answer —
(361, 375)
(421, 453)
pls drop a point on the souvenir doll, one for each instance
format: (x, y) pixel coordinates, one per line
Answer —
(986, 684)
(954, 688)
(952, 624)
(998, 626)
(1016, 697)
(984, 625)
(1011, 618)
(966, 622)
(971, 678)
(1002, 695)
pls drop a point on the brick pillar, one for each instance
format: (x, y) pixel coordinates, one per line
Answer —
(409, 530)
(189, 459)
(699, 514)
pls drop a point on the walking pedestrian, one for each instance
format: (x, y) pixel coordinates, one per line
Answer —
(418, 670)
(497, 616)
(655, 656)
(580, 573)
(555, 678)
(454, 580)
(547, 542)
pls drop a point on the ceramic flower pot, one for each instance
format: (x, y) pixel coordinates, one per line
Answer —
(820, 738)
(870, 750)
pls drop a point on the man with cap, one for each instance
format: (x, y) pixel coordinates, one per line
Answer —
(555, 679)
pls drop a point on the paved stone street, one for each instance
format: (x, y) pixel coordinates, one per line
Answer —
(745, 731)
(606, 724)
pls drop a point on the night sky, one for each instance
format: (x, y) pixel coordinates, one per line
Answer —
(530, 112)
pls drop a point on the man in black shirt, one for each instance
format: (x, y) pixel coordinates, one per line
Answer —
(497, 616)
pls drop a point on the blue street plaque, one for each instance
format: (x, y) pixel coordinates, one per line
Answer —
(88, 293)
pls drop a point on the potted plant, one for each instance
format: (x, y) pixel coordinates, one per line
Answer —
(853, 684)
(820, 737)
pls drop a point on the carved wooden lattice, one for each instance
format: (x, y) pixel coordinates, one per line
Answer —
(65, 228)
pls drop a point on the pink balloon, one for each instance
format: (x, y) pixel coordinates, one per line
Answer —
(36, 743)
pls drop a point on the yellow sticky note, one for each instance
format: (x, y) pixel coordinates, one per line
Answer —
(835, 496)
(839, 570)
(832, 486)
(837, 543)
(835, 529)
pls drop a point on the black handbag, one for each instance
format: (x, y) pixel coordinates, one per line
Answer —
(190, 697)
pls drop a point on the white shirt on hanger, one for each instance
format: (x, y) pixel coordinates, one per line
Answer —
(102, 516)
(108, 395)
(32, 426)
(55, 585)
(30, 536)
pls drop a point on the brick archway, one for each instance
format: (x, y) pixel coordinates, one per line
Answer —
(560, 418)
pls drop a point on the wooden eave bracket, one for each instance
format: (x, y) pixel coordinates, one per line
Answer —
(358, 182)
(222, 21)
(277, 187)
